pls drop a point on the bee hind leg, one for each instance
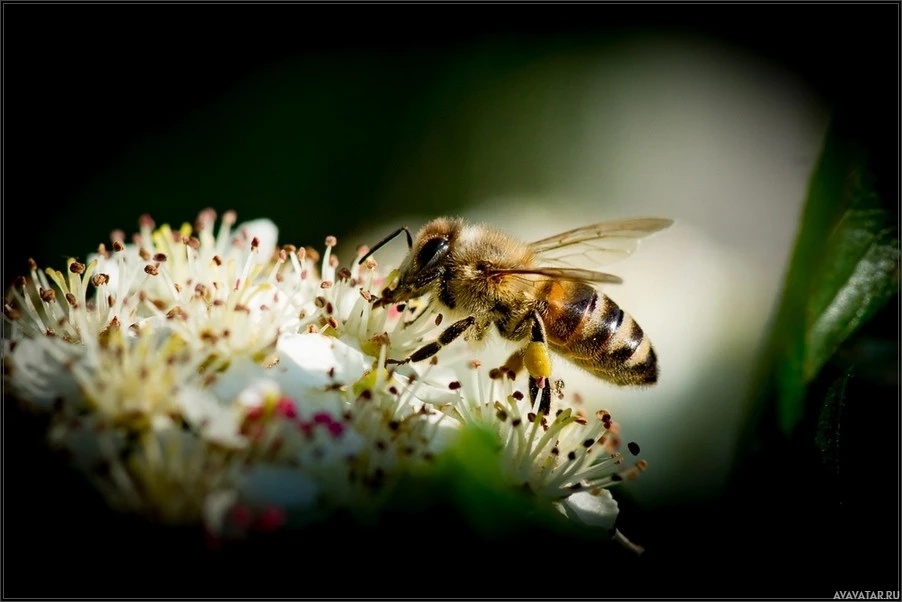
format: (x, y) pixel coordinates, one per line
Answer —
(447, 336)
(538, 363)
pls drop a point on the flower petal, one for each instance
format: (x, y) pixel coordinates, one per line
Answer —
(39, 377)
(215, 420)
(314, 361)
(597, 508)
(266, 233)
(216, 506)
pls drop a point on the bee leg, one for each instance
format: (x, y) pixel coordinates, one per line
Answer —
(538, 363)
(514, 364)
(447, 336)
(545, 404)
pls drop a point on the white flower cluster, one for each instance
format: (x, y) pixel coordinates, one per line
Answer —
(218, 378)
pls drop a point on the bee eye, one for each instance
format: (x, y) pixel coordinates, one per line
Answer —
(431, 251)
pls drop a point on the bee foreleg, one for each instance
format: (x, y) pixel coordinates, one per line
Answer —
(538, 363)
(446, 337)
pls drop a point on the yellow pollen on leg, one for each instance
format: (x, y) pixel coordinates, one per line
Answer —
(537, 360)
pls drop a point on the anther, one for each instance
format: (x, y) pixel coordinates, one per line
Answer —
(99, 279)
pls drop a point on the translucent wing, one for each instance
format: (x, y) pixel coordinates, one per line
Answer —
(542, 273)
(598, 244)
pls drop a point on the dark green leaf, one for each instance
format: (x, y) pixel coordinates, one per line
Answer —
(860, 274)
(844, 268)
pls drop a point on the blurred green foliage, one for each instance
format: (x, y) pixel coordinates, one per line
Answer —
(468, 481)
(845, 268)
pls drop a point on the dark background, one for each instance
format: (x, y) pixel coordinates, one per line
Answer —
(84, 84)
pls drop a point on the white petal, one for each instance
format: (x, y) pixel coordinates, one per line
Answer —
(446, 431)
(241, 374)
(266, 234)
(216, 505)
(39, 377)
(434, 395)
(312, 361)
(217, 420)
(196, 404)
(258, 392)
(161, 422)
(596, 510)
(432, 384)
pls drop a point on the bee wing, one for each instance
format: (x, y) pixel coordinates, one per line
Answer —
(561, 274)
(598, 244)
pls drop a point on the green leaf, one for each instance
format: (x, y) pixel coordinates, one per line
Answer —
(861, 273)
(845, 267)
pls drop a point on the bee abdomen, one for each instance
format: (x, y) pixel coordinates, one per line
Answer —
(569, 307)
(591, 330)
(628, 357)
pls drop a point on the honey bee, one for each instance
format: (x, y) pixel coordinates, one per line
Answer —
(530, 292)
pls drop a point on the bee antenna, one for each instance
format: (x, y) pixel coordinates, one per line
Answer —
(387, 239)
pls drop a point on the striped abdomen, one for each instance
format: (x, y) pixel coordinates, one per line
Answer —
(593, 332)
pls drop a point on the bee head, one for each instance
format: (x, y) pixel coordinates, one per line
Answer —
(427, 260)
